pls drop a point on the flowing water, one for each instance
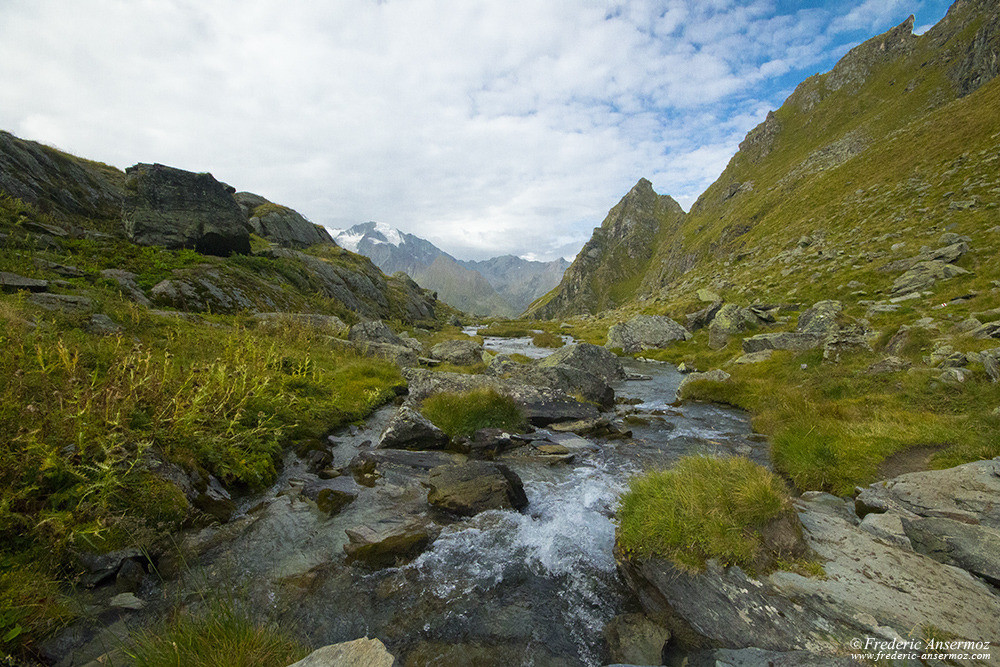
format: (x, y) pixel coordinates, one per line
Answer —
(501, 588)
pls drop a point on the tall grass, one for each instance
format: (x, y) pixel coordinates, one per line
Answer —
(702, 508)
(221, 636)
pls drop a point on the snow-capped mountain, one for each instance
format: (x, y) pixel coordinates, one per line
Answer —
(498, 286)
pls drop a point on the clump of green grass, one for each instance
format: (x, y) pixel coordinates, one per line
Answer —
(464, 413)
(546, 339)
(221, 636)
(506, 330)
(702, 508)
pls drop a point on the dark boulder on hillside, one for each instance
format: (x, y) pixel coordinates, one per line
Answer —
(180, 209)
(280, 224)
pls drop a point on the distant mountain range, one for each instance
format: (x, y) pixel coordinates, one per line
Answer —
(503, 285)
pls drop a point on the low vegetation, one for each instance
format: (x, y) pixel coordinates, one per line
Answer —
(702, 508)
(221, 636)
(464, 413)
(546, 339)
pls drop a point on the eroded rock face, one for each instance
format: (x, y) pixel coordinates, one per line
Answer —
(872, 589)
(644, 332)
(179, 209)
(470, 488)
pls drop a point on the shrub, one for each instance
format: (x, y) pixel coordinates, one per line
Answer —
(464, 413)
(703, 507)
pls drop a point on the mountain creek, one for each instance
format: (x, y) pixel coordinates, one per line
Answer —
(535, 587)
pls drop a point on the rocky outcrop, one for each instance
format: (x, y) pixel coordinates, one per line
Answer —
(280, 224)
(362, 652)
(568, 380)
(872, 588)
(717, 375)
(12, 282)
(729, 321)
(470, 488)
(173, 208)
(373, 331)
(644, 332)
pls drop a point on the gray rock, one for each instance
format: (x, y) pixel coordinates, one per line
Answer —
(470, 488)
(966, 493)
(362, 652)
(374, 331)
(280, 224)
(753, 357)
(207, 289)
(567, 380)
(402, 356)
(708, 296)
(411, 430)
(888, 528)
(988, 330)
(729, 321)
(331, 495)
(63, 270)
(635, 639)
(593, 359)
(846, 339)
(179, 209)
(924, 275)
(702, 318)
(459, 352)
(126, 601)
(102, 325)
(12, 282)
(781, 341)
(992, 367)
(645, 332)
(214, 500)
(66, 303)
(389, 541)
(822, 319)
(890, 364)
(102, 567)
(416, 460)
(127, 285)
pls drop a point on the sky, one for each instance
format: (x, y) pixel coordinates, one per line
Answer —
(485, 126)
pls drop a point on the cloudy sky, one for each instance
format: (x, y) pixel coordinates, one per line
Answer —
(486, 126)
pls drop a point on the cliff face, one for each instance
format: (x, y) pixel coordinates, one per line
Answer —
(607, 270)
(867, 149)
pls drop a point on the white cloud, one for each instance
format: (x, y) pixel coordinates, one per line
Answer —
(487, 127)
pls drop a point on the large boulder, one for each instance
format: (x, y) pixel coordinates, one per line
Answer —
(179, 209)
(12, 282)
(635, 639)
(469, 488)
(924, 275)
(569, 380)
(374, 331)
(411, 430)
(702, 318)
(362, 652)
(822, 319)
(458, 352)
(644, 332)
(717, 375)
(390, 541)
(593, 359)
(280, 224)
(729, 321)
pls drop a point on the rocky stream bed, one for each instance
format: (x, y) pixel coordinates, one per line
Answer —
(537, 586)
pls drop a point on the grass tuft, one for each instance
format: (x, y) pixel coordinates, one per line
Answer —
(702, 508)
(464, 413)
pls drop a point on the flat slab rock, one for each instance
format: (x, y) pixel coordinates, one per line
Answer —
(872, 589)
(389, 542)
(469, 488)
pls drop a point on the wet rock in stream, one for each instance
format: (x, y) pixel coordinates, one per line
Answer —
(470, 488)
(389, 542)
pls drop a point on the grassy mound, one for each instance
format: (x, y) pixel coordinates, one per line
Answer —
(464, 413)
(546, 339)
(704, 508)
